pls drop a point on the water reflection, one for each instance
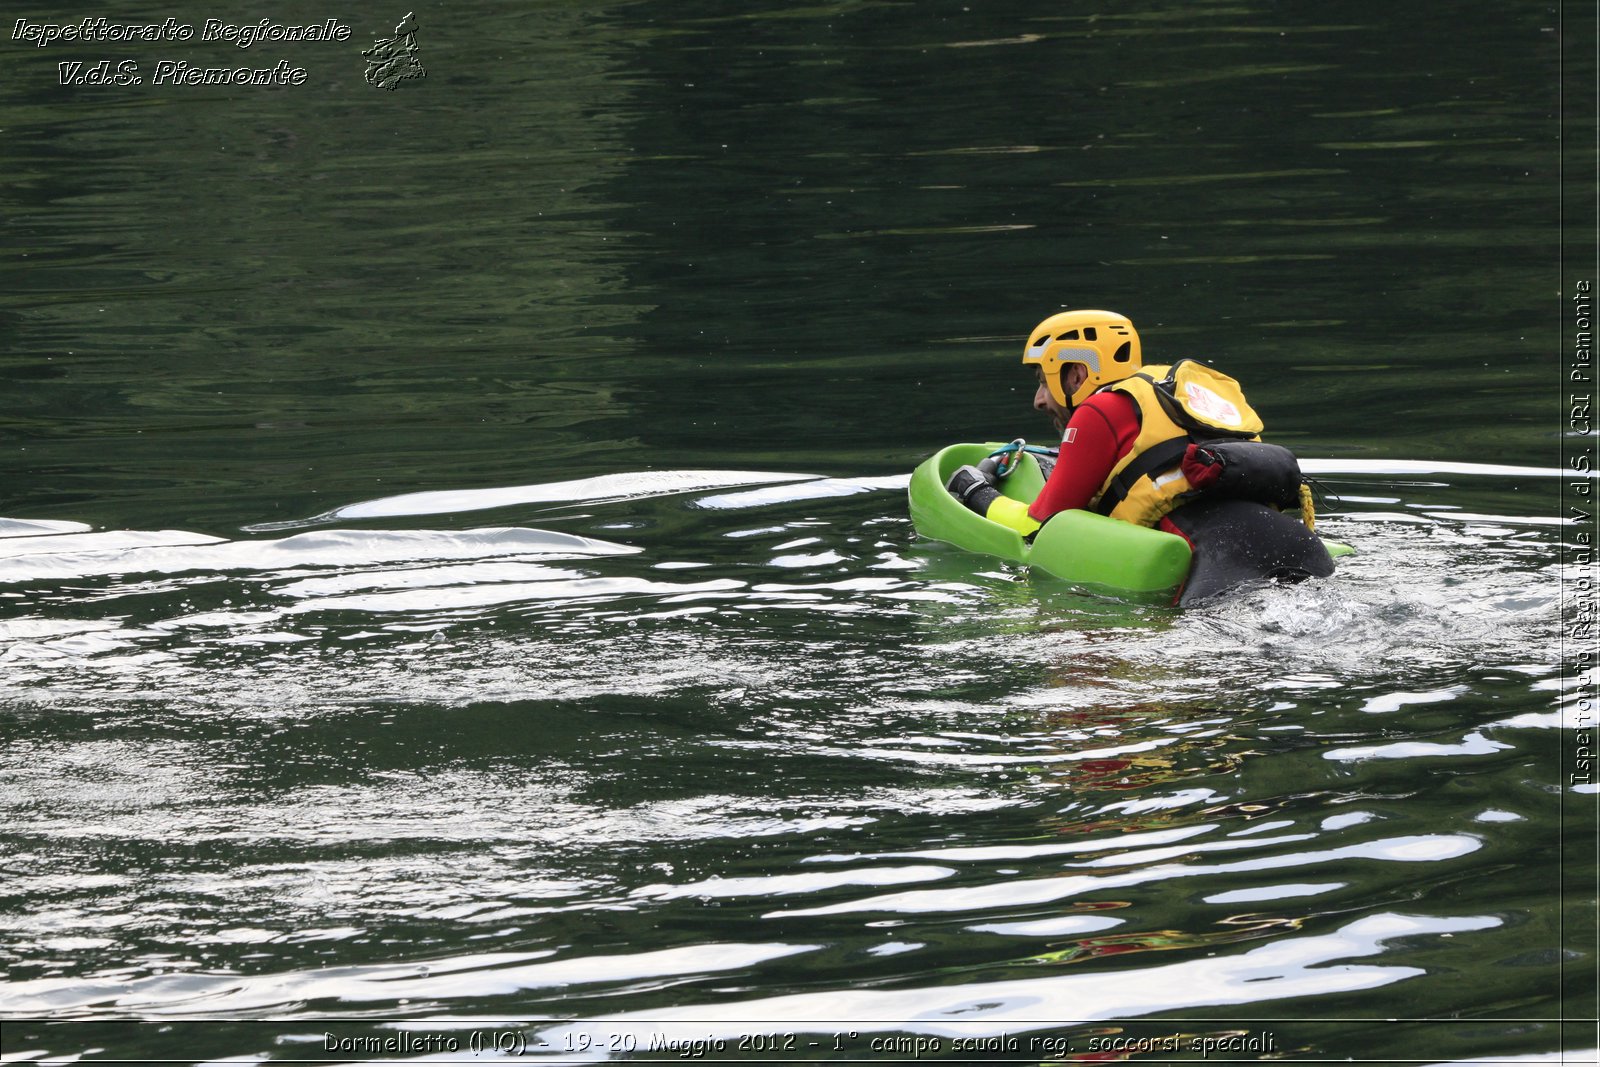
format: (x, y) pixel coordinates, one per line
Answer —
(1293, 966)
(431, 730)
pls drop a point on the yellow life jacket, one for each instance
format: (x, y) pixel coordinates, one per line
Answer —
(1177, 404)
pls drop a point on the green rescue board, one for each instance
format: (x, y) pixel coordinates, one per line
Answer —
(1077, 546)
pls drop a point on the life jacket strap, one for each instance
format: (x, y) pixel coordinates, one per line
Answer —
(1153, 459)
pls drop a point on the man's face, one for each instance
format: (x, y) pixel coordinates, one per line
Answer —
(1043, 401)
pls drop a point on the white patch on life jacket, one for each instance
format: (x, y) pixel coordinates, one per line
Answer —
(1171, 476)
(1072, 432)
(1209, 405)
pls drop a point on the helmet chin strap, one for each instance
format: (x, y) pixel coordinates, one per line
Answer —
(1069, 388)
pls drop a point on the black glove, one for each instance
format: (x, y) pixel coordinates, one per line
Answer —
(973, 487)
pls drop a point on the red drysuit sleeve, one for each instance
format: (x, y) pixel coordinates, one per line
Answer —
(1101, 431)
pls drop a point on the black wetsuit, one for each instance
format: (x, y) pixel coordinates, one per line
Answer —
(1237, 541)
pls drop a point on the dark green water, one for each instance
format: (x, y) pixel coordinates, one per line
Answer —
(653, 718)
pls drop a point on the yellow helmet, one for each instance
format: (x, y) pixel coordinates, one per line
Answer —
(1103, 341)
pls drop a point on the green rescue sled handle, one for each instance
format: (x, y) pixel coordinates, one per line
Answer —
(1076, 546)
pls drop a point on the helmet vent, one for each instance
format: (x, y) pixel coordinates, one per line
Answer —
(1089, 334)
(1070, 335)
(1041, 342)
(1124, 353)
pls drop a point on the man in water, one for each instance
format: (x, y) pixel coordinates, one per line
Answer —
(1172, 447)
